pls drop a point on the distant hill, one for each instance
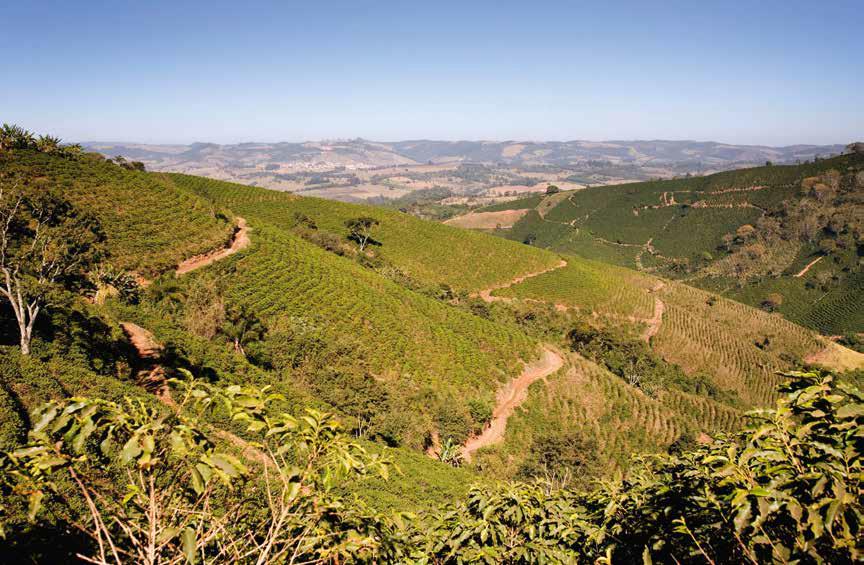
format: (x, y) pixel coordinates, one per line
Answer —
(360, 153)
(784, 238)
(359, 169)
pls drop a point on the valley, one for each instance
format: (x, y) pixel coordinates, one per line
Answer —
(458, 354)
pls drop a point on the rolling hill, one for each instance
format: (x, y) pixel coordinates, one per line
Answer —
(786, 238)
(457, 356)
(415, 339)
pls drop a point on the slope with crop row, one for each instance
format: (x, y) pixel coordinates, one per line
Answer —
(418, 347)
(742, 233)
(427, 251)
(151, 225)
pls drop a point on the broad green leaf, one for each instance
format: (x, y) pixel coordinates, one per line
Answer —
(189, 541)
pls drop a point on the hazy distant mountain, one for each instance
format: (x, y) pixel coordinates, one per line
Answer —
(362, 154)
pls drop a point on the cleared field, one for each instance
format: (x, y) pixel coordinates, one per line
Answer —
(487, 220)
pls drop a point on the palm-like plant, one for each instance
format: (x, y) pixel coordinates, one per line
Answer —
(242, 327)
(451, 453)
(48, 144)
(15, 137)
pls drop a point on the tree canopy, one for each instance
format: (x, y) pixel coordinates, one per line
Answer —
(46, 246)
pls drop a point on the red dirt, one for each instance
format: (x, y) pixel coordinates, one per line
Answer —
(240, 240)
(151, 377)
(803, 271)
(150, 374)
(656, 320)
(510, 398)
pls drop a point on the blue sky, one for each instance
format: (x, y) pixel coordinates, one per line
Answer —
(767, 72)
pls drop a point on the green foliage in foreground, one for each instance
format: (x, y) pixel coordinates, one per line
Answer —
(786, 489)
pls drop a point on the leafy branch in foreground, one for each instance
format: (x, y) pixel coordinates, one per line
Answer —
(785, 490)
(186, 499)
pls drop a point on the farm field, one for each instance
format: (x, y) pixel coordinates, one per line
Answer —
(744, 234)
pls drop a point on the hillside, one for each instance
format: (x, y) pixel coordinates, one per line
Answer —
(361, 153)
(398, 320)
(150, 225)
(749, 235)
(434, 347)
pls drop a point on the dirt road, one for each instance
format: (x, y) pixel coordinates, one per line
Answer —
(150, 372)
(240, 240)
(510, 398)
(486, 294)
(803, 271)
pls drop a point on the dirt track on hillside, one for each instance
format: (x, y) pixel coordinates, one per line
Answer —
(655, 321)
(240, 240)
(151, 377)
(803, 271)
(486, 294)
(510, 398)
(150, 373)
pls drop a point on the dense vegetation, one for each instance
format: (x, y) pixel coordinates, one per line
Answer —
(745, 233)
(786, 489)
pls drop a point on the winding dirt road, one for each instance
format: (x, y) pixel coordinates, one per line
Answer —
(510, 398)
(240, 240)
(486, 294)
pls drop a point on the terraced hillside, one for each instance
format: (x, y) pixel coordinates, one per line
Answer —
(151, 225)
(739, 346)
(747, 234)
(425, 250)
(612, 296)
(413, 338)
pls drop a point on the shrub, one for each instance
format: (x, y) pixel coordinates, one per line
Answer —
(772, 301)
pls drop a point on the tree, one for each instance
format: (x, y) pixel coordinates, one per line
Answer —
(529, 239)
(360, 230)
(241, 327)
(552, 189)
(46, 247)
(856, 147)
(560, 458)
(14, 137)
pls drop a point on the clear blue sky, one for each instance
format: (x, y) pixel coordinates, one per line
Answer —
(772, 72)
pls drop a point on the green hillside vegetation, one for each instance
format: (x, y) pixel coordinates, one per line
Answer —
(151, 225)
(425, 251)
(299, 395)
(739, 346)
(744, 233)
(782, 490)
